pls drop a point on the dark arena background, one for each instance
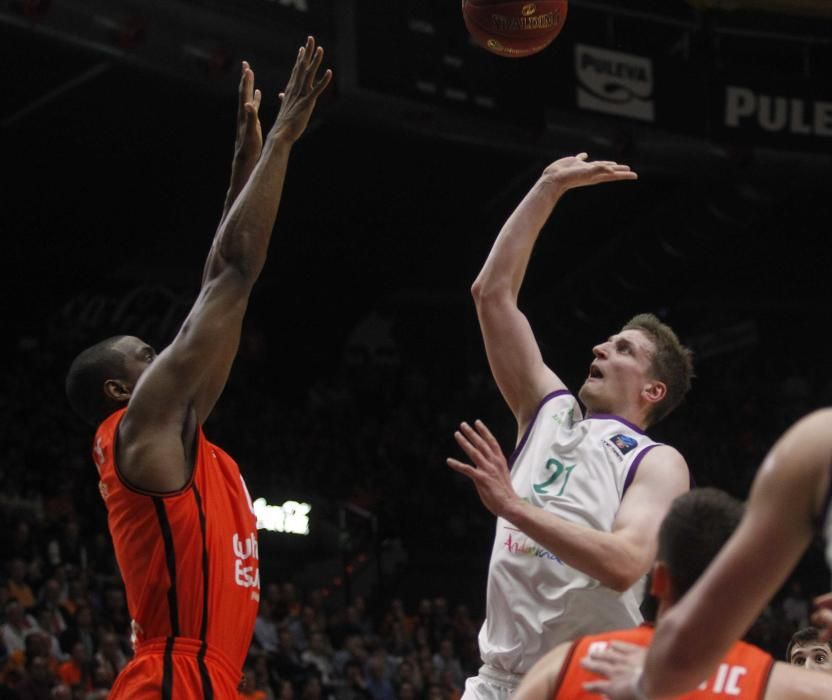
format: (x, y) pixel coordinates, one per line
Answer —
(361, 351)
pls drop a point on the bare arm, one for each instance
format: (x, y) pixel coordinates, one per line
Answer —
(774, 533)
(617, 559)
(189, 375)
(788, 682)
(540, 683)
(776, 529)
(512, 350)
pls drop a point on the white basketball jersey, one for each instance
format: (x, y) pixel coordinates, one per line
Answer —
(578, 469)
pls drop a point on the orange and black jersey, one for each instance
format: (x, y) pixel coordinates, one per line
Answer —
(189, 558)
(743, 672)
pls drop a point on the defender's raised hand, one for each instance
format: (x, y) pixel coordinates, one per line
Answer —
(249, 133)
(577, 171)
(301, 93)
(249, 140)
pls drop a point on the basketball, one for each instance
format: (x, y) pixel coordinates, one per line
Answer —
(514, 29)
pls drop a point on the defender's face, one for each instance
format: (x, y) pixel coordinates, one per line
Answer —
(619, 373)
(137, 357)
(812, 655)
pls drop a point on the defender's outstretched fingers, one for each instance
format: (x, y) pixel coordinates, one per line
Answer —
(320, 86)
(312, 70)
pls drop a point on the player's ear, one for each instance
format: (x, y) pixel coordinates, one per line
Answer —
(654, 391)
(659, 581)
(117, 390)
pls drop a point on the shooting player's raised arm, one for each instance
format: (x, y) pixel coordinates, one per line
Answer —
(513, 352)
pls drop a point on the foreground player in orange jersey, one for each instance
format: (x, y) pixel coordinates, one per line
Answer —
(178, 510)
(691, 535)
(789, 503)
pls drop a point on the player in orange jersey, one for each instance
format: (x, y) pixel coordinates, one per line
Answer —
(789, 503)
(691, 535)
(178, 510)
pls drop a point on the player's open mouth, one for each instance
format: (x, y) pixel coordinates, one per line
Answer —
(595, 373)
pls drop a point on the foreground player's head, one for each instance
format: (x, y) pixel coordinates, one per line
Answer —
(102, 377)
(695, 528)
(641, 373)
(806, 649)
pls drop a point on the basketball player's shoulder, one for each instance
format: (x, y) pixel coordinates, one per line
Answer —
(664, 463)
(665, 458)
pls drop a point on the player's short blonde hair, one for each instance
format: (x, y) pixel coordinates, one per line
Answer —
(672, 362)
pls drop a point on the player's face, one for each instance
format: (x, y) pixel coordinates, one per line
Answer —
(813, 655)
(619, 373)
(137, 357)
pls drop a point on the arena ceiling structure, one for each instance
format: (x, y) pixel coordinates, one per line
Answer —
(117, 121)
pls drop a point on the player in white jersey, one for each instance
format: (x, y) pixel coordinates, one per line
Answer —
(579, 512)
(789, 502)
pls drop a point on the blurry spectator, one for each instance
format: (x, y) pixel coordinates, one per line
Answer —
(435, 692)
(396, 640)
(115, 608)
(450, 687)
(250, 690)
(286, 660)
(38, 682)
(61, 691)
(110, 655)
(77, 594)
(354, 650)
(66, 547)
(50, 614)
(39, 643)
(50, 641)
(311, 689)
(320, 657)
(77, 671)
(301, 625)
(17, 586)
(285, 691)
(355, 685)
(261, 675)
(102, 678)
(81, 629)
(265, 628)
(378, 685)
(408, 674)
(806, 649)
(17, 627)
(445, 662)
(406, 691)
